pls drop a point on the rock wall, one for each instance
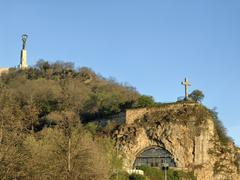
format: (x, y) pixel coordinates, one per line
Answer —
(133, 114)
(187, 131)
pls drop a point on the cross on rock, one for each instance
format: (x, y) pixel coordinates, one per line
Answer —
(186, 83)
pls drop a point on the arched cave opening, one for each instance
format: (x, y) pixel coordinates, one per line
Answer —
(154, 157)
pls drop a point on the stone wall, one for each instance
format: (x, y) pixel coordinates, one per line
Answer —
(133, 115)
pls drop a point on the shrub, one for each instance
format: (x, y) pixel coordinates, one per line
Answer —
(197, 95)
(152, 173)
(120, 176)
(178, 175)
(145, 101)
(157, 174)
(137, 177)
(221, 130)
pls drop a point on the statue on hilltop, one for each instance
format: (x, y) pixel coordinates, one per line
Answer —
(24, 40)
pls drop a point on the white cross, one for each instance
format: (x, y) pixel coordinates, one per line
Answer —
(186, 83)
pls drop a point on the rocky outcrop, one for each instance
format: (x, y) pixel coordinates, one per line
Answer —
(187, 131)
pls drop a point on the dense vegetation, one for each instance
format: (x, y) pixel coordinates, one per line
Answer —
(43, 112)
(156, 174)
(220, 129)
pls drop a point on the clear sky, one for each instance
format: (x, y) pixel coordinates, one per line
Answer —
(151, 44)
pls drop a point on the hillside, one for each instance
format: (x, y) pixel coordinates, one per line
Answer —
(57, 122)
(45, 111)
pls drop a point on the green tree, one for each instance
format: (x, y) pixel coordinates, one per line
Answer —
(48, 156)
(66, 121)
(145, 101)
(197, 96)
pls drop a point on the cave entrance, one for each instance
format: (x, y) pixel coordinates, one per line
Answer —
(154, 157)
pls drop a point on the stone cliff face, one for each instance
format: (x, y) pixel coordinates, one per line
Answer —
(187, 131)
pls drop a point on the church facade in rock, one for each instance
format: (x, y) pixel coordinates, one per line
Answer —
(154, 156)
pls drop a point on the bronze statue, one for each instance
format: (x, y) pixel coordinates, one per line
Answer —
(24, 39)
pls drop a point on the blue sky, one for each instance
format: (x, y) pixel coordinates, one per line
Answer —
(151, 44)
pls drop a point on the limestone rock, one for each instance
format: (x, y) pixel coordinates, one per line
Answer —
(187, 131)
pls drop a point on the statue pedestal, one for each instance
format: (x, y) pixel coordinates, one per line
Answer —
(23, 61)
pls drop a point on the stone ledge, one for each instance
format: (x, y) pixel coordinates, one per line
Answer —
(138, 113)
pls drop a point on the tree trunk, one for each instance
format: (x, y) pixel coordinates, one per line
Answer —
(69, 155)
(1, 133)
